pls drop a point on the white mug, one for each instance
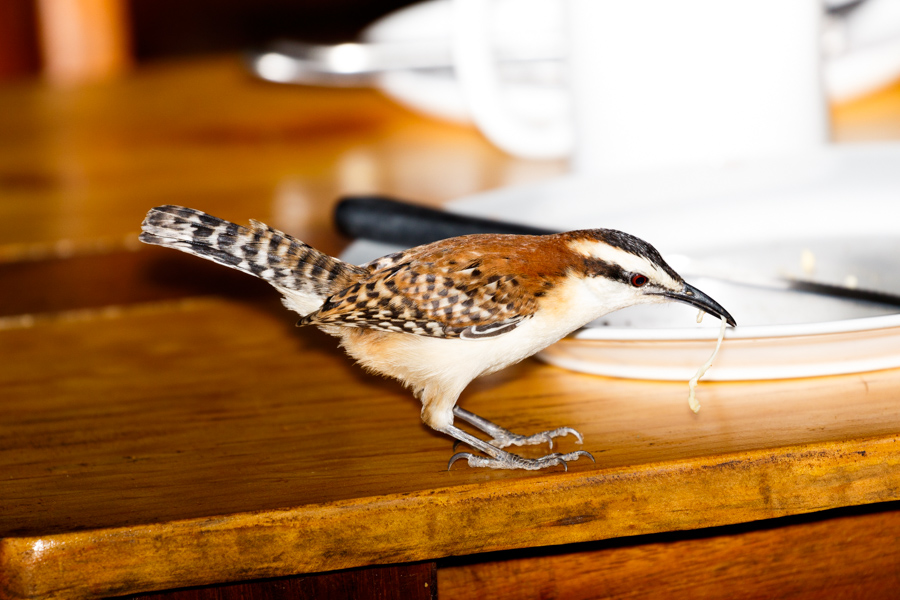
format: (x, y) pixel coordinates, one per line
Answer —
(659, 83)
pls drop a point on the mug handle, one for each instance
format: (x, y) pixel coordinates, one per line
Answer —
(476, 72)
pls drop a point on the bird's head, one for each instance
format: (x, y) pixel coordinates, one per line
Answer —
(625, 270)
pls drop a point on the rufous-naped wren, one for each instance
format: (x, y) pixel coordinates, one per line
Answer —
(437, 316)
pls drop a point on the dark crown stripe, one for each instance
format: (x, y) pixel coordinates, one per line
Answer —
(632, 245)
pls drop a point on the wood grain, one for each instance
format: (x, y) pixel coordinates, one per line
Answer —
(402, 582)
(83, 165)
(117, 278)
(267, 453)
(845, 556)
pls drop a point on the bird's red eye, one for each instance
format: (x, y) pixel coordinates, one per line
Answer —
(638, 280)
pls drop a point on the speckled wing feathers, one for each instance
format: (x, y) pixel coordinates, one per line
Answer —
(284, 261)
(440, 290)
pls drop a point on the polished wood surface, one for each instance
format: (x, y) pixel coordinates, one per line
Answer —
(403, 582)
(166, 425)
(846, 556)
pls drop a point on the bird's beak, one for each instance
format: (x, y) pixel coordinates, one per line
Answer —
(694, 297)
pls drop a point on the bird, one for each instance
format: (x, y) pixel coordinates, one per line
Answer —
(439, 315)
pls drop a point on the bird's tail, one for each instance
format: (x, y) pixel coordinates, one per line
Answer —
(303, 274)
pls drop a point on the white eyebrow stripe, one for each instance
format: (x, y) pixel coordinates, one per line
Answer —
(628, 261)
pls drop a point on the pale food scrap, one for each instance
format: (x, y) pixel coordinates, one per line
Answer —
(692, 384)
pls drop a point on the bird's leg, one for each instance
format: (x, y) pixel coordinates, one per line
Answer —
(503, 437)
(501, 459)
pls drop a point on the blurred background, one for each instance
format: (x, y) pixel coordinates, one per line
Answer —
(109, 107)
(37, 35)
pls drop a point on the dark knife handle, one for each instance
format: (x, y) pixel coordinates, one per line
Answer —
(391, 221)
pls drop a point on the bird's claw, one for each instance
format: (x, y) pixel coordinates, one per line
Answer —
(512, 439)
(512, 461)
(508, 438)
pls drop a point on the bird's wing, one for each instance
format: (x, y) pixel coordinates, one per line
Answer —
(444, 292)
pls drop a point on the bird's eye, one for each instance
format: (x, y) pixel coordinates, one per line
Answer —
(638, 280)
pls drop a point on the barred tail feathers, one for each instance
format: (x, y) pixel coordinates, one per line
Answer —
(304, 275)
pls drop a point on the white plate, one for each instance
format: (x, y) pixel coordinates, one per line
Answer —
(762, 218)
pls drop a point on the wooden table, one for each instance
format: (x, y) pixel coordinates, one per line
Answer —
(164, 424)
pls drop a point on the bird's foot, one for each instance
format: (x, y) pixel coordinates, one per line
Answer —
(501, 437)
(495, 458)
(505, 460)
(508, 438)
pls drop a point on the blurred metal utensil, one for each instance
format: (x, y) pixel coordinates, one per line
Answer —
(357, 63)
(346, 64)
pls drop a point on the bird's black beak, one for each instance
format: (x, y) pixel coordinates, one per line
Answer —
(694, 297)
